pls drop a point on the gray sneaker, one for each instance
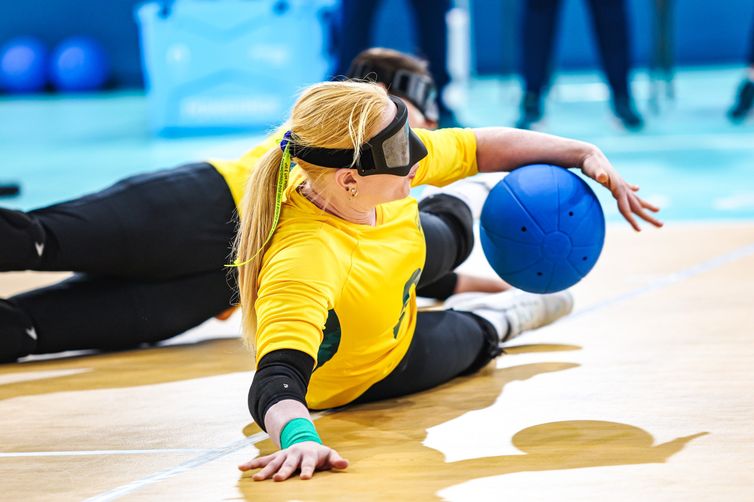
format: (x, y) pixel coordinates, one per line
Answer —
(521, 311)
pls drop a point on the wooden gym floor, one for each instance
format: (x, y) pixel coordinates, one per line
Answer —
(644, 392)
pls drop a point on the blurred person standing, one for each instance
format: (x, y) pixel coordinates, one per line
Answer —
(744, 101)
(357, 30)
(610, 22)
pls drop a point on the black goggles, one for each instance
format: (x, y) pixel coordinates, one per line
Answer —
(394, 150)
(419, 89)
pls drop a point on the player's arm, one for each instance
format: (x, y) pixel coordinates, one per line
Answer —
(505, 149)
(277, 401)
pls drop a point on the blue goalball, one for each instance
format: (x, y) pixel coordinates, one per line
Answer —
(79, 64)
(542, 228)
(23, 65)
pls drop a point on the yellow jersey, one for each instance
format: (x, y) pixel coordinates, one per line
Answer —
(345, 293)
(236, 172)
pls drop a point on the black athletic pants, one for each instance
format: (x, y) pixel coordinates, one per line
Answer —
(751, 47)
(149, 253)
(357, 27)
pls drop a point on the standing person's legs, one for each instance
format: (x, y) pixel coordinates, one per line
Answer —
(168, 223)
(446, 344)
(433, 38)
(356, 27)
(751, 51)
(610, 20)
(537, 41)
(744, 101)
(433, 42)
(86, 312)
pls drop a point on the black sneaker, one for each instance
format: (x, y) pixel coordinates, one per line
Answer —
(18, 337)
(744, 101)
(625, 112)
(23, 240)
(531, 111)
(9, 189)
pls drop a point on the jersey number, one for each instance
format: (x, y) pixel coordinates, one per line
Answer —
(412, 281)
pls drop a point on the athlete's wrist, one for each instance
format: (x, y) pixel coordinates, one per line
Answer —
(298, 430)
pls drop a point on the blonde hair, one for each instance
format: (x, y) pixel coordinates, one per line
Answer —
(328, 115)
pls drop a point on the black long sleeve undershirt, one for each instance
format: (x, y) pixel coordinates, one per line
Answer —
(281, 374)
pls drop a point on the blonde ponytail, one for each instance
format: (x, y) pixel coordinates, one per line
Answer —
(258, 210)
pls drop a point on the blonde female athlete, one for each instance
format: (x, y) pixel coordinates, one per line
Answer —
(328, 267)
(149, 252)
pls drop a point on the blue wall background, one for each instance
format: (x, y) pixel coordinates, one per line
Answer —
(110, 21)
(705, 32)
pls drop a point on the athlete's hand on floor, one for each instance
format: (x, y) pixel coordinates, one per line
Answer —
(597, 167)
(306, 457)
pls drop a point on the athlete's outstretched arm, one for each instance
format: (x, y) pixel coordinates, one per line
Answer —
(505, 149)
(306, 456)
(277, 401)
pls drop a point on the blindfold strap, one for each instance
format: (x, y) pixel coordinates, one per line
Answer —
(328, 157)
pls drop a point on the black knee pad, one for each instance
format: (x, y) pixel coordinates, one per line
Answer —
(491, 347)
(18, 337)
(457, 215)
(23, 240)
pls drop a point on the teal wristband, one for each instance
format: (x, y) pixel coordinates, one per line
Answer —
(298, 430)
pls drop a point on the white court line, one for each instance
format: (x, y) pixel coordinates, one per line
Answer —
(207, 457)
(667, 280)
(215, 454)
(99, 452)
(178, 469)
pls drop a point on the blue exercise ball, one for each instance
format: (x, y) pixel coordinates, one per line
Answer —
(79, 64)
(542, 228)
(23, 65)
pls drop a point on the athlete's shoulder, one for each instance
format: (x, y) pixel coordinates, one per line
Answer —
(451, 155)
(446, 137)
